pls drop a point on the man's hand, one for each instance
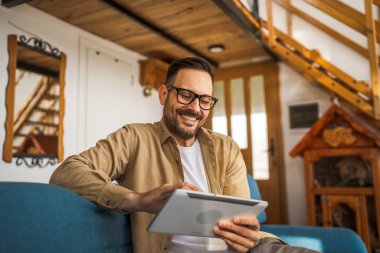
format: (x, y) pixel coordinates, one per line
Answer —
(153, 200)
(240, 233)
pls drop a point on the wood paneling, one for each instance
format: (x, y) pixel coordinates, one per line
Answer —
(196, 23)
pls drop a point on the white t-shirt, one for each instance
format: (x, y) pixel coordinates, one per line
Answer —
(194, 173)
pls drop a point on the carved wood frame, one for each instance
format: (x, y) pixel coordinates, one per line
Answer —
(10, 100)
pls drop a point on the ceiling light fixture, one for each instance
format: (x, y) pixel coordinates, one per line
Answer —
(216, 48)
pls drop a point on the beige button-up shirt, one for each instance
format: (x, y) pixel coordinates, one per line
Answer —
(141, 157)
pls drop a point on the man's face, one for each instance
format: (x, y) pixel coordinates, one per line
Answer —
(183, 121)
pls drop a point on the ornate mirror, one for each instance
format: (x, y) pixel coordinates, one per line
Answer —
(34, 102)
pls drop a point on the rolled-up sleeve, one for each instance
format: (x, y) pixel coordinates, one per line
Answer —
(92, 172)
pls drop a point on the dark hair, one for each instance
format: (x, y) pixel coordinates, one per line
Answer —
(197, 63)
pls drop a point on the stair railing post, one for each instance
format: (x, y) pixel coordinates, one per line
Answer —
(271, 35)
(373, 59)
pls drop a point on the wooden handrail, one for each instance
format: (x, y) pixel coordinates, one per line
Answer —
(27, 106)
(336, 35)
(270, 26)
(345, 14)
(313, 57)
(30, 99)
(373, 60)
(311, 71)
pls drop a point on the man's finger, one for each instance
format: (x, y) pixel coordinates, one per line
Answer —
(241, 231)
(237, 247)
(188, 186)
(235, 238)
(248, 221)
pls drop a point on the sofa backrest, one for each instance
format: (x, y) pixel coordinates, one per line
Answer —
(47, 218)
(255, 194)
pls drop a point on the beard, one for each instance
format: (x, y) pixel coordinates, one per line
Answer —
(171, 122)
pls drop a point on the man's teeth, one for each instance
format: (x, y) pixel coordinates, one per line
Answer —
(189, 117)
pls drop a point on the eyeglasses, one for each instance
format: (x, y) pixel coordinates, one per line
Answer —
(186, 97)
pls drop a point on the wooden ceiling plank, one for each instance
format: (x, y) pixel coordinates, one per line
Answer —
(157, 30)
(97, 17)
(210, 22)
(197, 23)
(67, 8)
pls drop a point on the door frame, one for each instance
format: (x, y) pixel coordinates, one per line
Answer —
(270, 71)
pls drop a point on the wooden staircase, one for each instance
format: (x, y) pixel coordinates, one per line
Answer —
(36, 122)
(309, 62)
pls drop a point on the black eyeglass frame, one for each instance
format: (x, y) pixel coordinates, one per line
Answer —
(214, 99)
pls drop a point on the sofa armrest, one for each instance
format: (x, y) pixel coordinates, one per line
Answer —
(323, 239)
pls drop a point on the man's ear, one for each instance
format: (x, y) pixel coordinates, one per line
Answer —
(163, 93)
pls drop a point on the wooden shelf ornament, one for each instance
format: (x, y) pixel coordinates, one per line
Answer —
(342, 174)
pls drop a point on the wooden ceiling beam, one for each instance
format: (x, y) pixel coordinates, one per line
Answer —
(13, 3)
(233, 11)
(244, 19)
(122, 9)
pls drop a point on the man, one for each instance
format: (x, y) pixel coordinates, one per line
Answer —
(150, 161)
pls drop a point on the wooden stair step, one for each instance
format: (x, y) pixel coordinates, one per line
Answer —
(50, 97)
(29, 122)
(20, 135)
(47, 111)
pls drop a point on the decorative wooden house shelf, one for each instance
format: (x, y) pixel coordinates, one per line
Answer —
(342, 174)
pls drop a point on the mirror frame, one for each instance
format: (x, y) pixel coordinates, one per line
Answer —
(10, 94)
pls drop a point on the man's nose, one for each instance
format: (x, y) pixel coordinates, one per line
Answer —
(195, 105)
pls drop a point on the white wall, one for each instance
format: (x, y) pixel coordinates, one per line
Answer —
(294, 88)
(25, 20)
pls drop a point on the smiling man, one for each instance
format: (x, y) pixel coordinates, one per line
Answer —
(150, 161)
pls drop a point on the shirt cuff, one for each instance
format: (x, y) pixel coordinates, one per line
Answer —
(112, 196)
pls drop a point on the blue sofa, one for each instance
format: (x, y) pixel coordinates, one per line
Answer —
(47, 218)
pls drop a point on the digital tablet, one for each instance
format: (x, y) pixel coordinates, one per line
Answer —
(196, 213)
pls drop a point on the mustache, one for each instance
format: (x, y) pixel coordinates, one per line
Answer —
(188, 112)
